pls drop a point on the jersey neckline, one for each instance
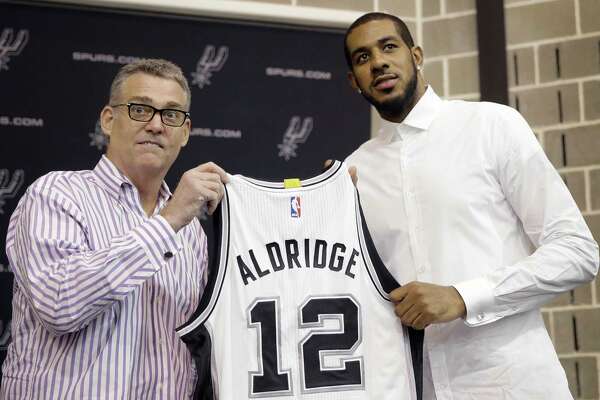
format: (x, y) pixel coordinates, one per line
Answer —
(308, 183)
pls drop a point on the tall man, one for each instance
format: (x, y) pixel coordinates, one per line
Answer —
(107, 262)
(462, 202)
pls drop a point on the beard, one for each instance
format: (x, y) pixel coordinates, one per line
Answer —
(398, 104)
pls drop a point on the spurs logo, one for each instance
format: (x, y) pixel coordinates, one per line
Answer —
(9, 187)
(297, 133)
(211, 61)
(98, 138)
(4, 334)
(11, 46)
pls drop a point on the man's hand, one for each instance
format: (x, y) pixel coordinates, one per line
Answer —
(420, 304)
(351, 170)
(197, 187)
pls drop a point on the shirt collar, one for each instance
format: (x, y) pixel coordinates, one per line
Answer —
(114, 181)
(418, 119)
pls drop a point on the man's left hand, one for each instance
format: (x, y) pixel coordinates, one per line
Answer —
(351, 170)
(420, 304)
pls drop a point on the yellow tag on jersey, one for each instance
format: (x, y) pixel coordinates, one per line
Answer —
(292, 183)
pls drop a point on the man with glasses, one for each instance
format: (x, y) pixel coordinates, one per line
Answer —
(108, 262)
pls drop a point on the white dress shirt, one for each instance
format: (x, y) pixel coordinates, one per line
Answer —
(461, 193)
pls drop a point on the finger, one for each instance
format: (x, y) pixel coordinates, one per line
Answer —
(214, 203)
(214, 186)
(327, 163)
(208, 189)
(411, 316)
(398, 311)
(205, 193)
(420, 322)
(353, 174)
(212, 197)
(219, 189)
(398, 294)
(207, 176)
(402, 308)
(214, 168)
(212, 206)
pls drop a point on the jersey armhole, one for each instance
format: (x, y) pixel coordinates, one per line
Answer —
(216, 271)
(386, 281)
(389, 283)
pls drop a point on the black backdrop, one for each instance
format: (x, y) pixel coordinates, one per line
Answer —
(268, 101)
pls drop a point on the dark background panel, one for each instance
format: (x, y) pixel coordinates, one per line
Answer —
(50, 99)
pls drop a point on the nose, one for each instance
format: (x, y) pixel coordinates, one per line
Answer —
(155, 125)
(378, 61)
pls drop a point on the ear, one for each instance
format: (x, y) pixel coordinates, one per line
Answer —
(107, 118)
(352, 81)
(187, 126)
(417, 54)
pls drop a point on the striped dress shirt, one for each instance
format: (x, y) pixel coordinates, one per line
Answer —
(99, 290)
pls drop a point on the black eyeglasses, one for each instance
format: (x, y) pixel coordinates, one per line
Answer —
(144, 113)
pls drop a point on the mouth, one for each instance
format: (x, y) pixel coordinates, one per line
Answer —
(384, 82)
(150, 143)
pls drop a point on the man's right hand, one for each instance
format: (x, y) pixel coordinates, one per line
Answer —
(197, 187)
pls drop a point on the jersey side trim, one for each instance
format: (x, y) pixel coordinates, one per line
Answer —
(385, 283)
(216, 270)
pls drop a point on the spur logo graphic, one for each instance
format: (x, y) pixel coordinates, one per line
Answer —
(211, 61)
(9, 187)
(11, 45)
(98, 138)
(296, 133)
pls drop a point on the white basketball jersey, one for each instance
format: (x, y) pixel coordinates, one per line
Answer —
(296, 306)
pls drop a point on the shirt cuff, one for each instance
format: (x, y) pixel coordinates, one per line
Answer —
(158, 239)
(479, 301)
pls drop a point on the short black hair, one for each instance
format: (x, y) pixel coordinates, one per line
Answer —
(401, 28)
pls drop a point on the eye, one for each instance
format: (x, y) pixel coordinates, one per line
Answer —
(361, 58)
(389, 46)
(139, 109)
(170, 114)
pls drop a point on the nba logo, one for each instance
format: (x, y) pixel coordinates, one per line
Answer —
(295, 209)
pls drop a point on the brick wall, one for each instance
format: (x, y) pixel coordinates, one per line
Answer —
(554, 67)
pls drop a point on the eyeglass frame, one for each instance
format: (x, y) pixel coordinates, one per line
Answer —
(154, 111)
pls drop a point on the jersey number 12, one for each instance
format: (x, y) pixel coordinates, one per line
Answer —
(272, 380)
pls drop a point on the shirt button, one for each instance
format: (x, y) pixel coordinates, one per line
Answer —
(480, 317)
(168, 254)
(421, 269)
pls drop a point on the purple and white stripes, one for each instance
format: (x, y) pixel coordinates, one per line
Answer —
(97, 293)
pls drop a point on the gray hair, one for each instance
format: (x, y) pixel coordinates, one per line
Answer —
(151, 66)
